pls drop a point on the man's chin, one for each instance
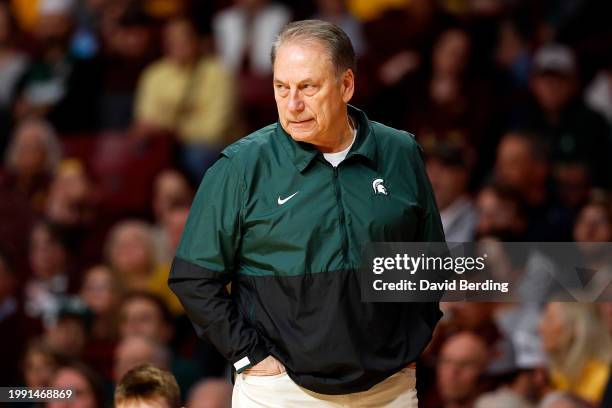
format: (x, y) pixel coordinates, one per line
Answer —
(305, 137)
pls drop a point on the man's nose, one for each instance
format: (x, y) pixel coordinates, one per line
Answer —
(296, 104)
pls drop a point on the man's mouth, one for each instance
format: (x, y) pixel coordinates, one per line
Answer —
(300, 122)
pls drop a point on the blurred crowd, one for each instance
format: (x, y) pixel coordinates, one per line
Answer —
(112, 110)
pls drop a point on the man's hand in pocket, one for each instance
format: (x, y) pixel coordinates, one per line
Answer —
(267, 366)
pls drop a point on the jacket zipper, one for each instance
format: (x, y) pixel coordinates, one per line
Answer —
(341, 215)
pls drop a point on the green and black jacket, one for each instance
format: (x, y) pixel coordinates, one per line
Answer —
(273, 217)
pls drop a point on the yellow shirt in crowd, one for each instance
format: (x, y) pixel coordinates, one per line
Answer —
(197, 103)
(591, 383)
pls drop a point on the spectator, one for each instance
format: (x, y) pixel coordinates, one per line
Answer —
(593, 232)
(70, 197)
(145, 315)
(128, 47)
(50, 280)
(448, 168)
(56, 85)
(463, 359)
(66, 334)
(573, 131)
(188, 94)
(522, 166)
(594, 222)
(39, 364)
(413, 26)
(578, 347)
(129, 251)
(101, 291)
(448, 103)
(573, 183)
(501, 215)
(170, 190)
(133, 351)
(147, 385)
(243, 35)
(210, 394)
(524, 380)
(31, 159)
(86, 385)
(170, 232)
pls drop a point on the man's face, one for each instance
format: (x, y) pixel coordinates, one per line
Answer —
(552, 91)
(514, 165)
(311, 99)
(462, 361)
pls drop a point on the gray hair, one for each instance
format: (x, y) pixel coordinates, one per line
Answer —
(332, 37)
(48, 138)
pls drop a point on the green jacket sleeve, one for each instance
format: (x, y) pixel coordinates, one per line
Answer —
(204, 265)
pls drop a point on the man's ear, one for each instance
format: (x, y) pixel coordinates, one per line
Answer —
(348, 85)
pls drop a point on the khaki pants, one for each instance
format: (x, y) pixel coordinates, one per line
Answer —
(397, 391)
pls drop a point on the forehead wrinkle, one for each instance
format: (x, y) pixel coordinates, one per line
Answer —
(305, 46)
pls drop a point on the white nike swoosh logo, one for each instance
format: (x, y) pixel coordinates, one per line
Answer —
(282, 201)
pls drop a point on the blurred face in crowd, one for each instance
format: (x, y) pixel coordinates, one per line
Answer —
(131, 251)
(141, 317)
(67, 336)
(131, 41)
(497, 215)
(68, 195)
(30, 151)
(573, 182)
(463, 359)
(311, 98)
(210, 394)
(38, 368)
(169, 190)
(69, 378)
(552, 91)
(54, 29)
(134, 351)
(553, 329)
(514, 162)
(451, 53)
(448, 182)
(47, 255)
(181, 42)
(99, 290)
(593, 225)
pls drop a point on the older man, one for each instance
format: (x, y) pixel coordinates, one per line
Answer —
(283, 215)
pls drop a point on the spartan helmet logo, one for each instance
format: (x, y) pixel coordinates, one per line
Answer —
(379, 187)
